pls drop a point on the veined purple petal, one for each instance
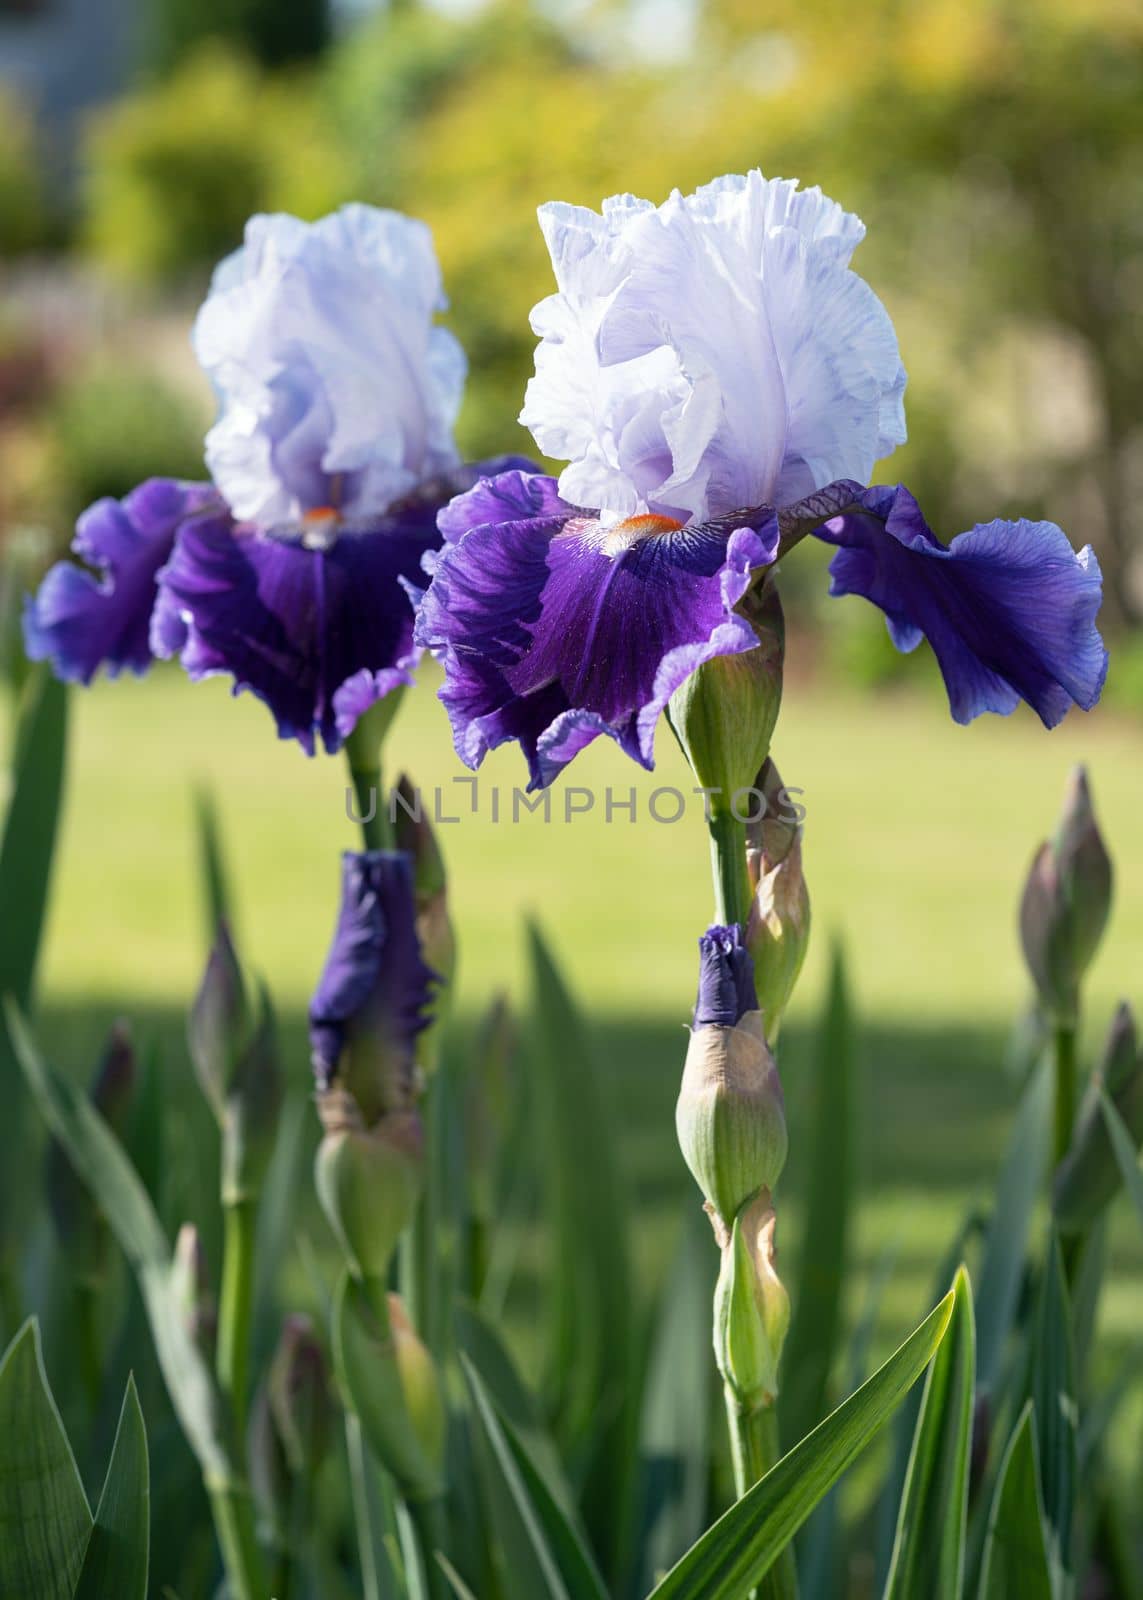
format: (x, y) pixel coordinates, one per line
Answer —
(726, 978)
(370, 1002)
(82, 620)
(318, 625)
(1009, 608)
(554, 629)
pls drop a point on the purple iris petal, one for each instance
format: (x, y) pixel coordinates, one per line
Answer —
(371, 999)
(1009, 608)
(553, 629)
(726, 979)
(317, 624)
(82, 620)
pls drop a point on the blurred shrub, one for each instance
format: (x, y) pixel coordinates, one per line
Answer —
(23, 215)
(272, 32)
(111, 428)
(172, 173)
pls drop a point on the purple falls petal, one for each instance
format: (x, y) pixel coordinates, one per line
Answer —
(726, 978)
(80, 619)
(1009, 608)
(318, 633)
(553, 630)
(370, 1002)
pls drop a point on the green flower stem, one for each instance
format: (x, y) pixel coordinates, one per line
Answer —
(233, 1511)
(728, 868)
(360, 1466)
(1064, 1055)
(363, 755)
(754, 1449)
(236, 1305)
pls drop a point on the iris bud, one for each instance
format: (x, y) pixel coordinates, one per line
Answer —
(391, 1383)
(192, 1292)
(79, 1224)
(253, 1105)
(299, 1395)
(751, 1307)
(778, 930)
(724, 714)
(1066, 902)
(368, 1180)
(235, 1055)
(1088, 1177)
(730, 1115)
(219, 1022)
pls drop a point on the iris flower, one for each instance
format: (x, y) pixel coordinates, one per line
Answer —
(332, 452)
(721, 383)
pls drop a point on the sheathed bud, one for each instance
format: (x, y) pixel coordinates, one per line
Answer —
(191, 1290)
(253, 1106)
(724, 714)
(79, 1223)
(219, 1022)
(1066, 903)
(778, 929)
(390, 1381)
(751, 1306)
(730, 1115)
(1089, 1177)
(234, 1048)
(368, 1180)
(415, 836)
(299, 1394)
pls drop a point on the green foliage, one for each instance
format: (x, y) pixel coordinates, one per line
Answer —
(45, 1521)
(743, 1544)
(1015, 1560)
(273, 33)
(929, 1554)
(173, 172)
(117, 1555)
(112, 427)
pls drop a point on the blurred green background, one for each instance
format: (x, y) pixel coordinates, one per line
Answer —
(993, 149)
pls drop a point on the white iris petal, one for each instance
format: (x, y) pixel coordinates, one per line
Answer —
(334, 383)
(710, 353)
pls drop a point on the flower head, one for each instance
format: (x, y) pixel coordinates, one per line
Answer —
(337, 390)
(331, 456)
(713, 352)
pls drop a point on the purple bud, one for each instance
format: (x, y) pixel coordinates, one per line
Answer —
(373, 995)
(726, 978)
(300, 1396)
(1066, 903)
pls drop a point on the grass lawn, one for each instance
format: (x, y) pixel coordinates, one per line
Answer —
(918, 836)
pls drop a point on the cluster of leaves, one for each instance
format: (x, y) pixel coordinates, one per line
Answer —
(600, 1479)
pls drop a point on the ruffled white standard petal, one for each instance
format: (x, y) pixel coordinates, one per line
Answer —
(710, 353)
(335, 385)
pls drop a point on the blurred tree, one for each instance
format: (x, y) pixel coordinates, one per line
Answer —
(274, 32)
(173, 172)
